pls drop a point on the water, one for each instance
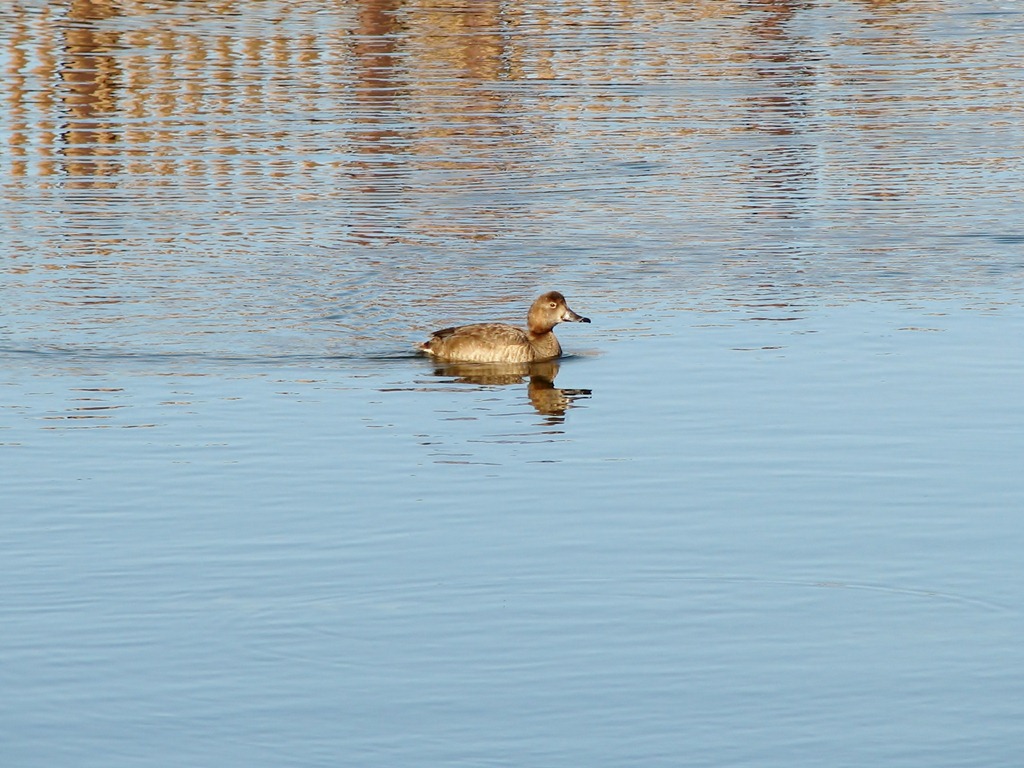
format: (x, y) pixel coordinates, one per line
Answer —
(764, 512)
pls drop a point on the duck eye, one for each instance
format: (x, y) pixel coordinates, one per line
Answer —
(553, 305)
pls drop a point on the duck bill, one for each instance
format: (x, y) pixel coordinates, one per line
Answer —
(571, 317)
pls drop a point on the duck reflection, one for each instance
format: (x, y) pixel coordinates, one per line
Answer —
(545, 397)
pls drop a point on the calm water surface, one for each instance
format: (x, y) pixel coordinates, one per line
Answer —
(766, 512)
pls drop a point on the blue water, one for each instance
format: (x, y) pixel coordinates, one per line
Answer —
(764, 513)
(738, 554)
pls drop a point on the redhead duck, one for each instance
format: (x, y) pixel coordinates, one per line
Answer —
(500, 343)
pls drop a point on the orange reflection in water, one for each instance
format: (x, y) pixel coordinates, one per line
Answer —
(426, 122)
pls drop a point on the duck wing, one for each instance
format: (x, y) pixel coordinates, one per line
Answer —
(480, 343)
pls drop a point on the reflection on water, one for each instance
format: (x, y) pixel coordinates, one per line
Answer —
(548, 399)
(205, 170)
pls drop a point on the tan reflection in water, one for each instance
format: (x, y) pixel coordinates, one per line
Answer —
(90, 82)
(426, 121)
(377, 110)
(782, 170)
(413, 118)
(545, 397)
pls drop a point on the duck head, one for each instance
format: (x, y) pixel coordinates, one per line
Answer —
(548, 311)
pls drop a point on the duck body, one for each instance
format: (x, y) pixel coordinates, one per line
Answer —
(502, 343)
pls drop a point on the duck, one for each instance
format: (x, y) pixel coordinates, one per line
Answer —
(502, 343)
